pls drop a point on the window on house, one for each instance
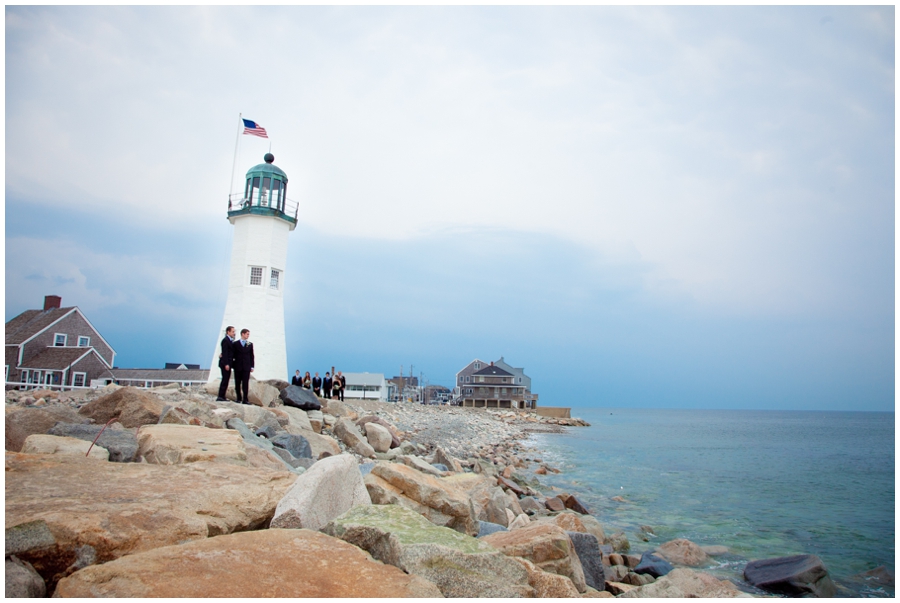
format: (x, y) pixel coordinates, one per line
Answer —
(78, 379)
(481, 380)
(59, 339)
(477, 366)
(84, 342)
(256, 276)
(274, 278)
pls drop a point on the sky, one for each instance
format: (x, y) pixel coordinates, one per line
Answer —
(657, 207)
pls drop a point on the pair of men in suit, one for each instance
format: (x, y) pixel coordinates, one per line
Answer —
(237, 355)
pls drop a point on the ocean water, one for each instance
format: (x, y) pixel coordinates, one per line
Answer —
(762, 483)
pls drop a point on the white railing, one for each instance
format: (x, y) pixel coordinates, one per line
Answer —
(238, 201)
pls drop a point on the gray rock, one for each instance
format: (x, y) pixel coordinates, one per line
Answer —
(530, 505)
(305, 463)
(267, 431)
(121, 443)
(295, 444)
(29, 536)
(588, 550)
(794, 576)
(348, 433)
(299, 397)
(22, 581)
(365, 468)
(486, 527)
(440, 466)
(254, 440)
(378, 436)
(653, 565)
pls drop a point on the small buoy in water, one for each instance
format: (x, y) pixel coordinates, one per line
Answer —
(621, 487)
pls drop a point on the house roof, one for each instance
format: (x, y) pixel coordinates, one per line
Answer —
(494, 370)
(31, 322)
(56, 358)
(161, 374)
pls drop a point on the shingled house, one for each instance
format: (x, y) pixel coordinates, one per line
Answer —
(483, 385)
(55, 346)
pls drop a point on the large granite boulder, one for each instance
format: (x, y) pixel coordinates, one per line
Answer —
(395, 434)
(684, 583)
(23, 422)
(574, 504)
(445, 458)
(49, 444)
(592, 526)
(383, 493)
(417, 462)
(130, 406)
(105, 510)
(349, 434)
(547, 546)
(653, 565)
(336, 408)
(22, 582)
(329, 488)
(588, 550)
(379, 437)
(296, 417)
(461, 566)
(260, 393)
(179, 444)
(299, 397)
(567, 520)
(794, 576)
(121, 443)
(682, 551)
(440, 494)
(547, 585)
(319, 444)
(270, 563)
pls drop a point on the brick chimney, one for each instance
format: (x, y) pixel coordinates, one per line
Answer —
(51, 302)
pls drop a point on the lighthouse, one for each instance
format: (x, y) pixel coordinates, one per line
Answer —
(262, 217)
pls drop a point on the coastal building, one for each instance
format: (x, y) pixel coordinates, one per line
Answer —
(262, 217)
(184, 375)
(494, 385)
(55, 346)
(366, 386)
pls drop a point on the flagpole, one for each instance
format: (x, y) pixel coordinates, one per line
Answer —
(234, 161)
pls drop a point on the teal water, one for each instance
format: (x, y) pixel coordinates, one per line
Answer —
(763, 483)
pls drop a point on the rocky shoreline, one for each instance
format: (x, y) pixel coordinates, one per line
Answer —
(182, 495)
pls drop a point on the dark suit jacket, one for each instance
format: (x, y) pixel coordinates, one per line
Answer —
(227, 354)
(243, 356)
(298, 381)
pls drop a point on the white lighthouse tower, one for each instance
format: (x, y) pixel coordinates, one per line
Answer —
(262, 217)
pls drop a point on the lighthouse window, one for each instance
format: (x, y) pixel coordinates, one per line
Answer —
(273, 281)
(256, 275)
(276, 194)
(264, 193)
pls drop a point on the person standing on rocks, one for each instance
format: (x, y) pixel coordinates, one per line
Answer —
(226, 361)
(343, 381)
(296, 379)
(244, 361)
(307, 382)
(326, 385)
(317, 385)
(335, 386)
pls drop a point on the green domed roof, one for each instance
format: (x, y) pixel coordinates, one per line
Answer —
(267, 168)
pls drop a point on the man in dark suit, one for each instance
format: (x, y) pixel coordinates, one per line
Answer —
(327, 385)
(297, 380)
(244, 361)
(226, 362)
(317, 385)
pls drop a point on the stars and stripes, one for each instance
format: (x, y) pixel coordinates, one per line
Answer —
(254, 129)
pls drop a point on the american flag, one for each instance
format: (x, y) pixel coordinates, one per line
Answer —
(253, 128)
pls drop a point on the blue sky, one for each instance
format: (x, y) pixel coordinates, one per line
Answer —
(650, 207)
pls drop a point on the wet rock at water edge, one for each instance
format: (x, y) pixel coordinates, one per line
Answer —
(794, 576)
(653, 565)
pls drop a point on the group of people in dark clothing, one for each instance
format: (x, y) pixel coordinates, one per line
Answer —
(332, 386)
(236, 355)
